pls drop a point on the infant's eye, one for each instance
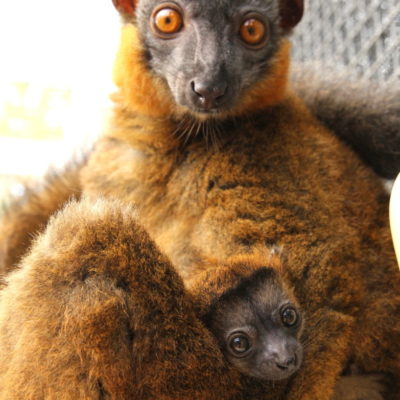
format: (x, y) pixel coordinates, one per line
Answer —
(167, 20)
(289, 316)
(239, 344)
(253, 32)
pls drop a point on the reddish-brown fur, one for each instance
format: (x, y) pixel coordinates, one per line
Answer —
(96, 312)
(29, 215)
(278, 178)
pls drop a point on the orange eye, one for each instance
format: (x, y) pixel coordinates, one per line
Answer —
(167, 20)
(253, 31)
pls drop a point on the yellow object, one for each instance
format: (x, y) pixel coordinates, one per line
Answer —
(31, 111)
(395, 216)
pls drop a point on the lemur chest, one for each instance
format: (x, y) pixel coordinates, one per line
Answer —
(256, 189)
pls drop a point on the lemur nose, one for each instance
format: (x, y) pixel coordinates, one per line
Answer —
(286, 363)
(208, 95)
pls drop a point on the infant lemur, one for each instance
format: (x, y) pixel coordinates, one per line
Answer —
(225, 164)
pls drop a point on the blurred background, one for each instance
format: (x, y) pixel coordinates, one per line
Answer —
(55, 77)
(56, 62)
(363, 35)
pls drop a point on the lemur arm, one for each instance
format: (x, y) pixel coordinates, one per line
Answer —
(364, 114)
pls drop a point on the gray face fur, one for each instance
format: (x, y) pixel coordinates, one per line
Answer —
(208, 54)
(255, 314)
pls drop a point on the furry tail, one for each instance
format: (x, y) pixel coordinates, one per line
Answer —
(364, 114)
(28, 216)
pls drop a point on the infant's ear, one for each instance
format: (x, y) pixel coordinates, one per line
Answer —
(291, 12)
(125, 7)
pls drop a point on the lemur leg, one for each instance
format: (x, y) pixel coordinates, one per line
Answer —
(96, 312)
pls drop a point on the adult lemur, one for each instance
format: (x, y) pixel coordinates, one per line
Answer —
(95, 311)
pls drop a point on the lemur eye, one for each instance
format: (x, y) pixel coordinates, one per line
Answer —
(289, 316)
(167, 20)
(239, 344)
(253, 32)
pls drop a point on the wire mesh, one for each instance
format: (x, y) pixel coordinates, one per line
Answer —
(363, 35)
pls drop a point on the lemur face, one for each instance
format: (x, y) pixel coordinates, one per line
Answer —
(209, 52)
(258, 326)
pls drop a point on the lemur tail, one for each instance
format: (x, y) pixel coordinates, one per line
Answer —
(27, 216)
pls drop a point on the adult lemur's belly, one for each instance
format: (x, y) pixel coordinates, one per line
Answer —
(282, 182)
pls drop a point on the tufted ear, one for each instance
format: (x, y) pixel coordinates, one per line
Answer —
(291, 12)
(125, 7)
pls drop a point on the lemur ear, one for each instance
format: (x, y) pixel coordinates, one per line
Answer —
(125, 7)
(291, 12)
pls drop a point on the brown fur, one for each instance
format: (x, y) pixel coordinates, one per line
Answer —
(365, 115)
(276, 178)
(96, 312)
(28, 216)
(330, 344)
(359, 387)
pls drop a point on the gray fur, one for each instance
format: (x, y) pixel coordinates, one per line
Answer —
(364, 114)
